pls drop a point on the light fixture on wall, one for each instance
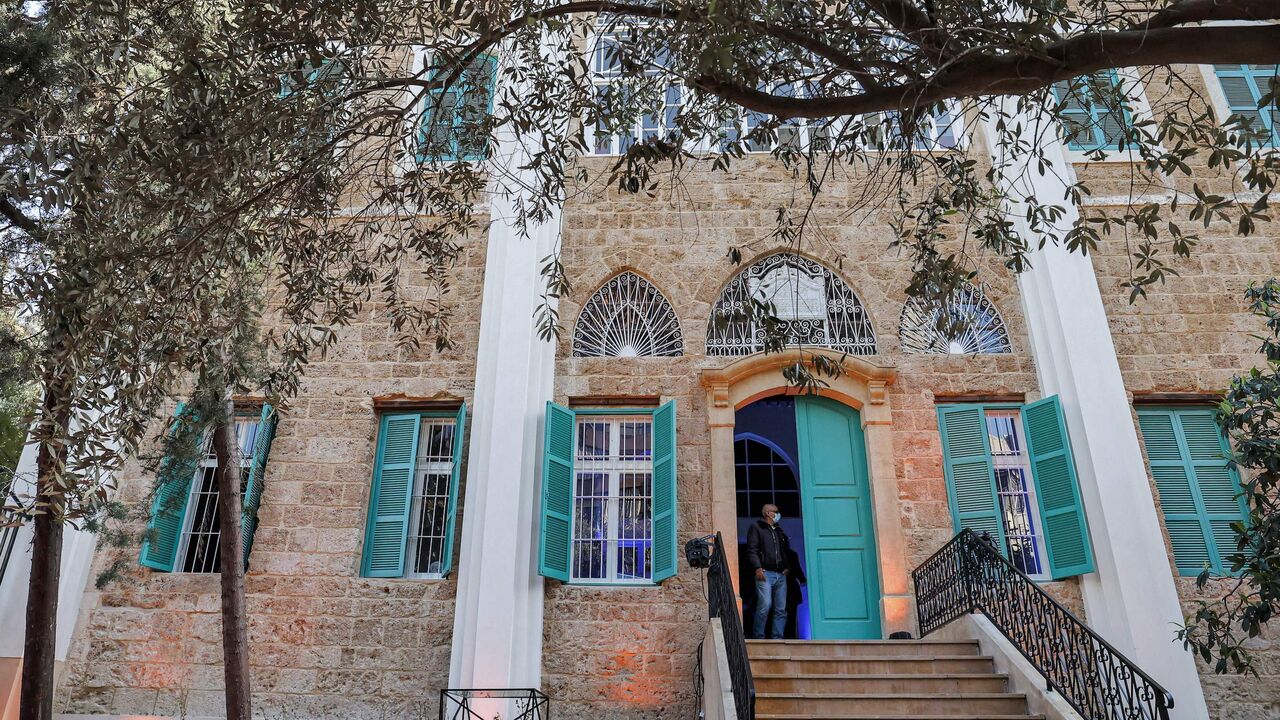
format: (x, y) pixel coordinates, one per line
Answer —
(697, 552)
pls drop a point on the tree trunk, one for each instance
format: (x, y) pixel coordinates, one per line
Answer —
(35, 701)
(235, 642)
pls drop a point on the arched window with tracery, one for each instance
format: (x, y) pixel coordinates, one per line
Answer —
(813, 305)
(627, 317)
(966, 324)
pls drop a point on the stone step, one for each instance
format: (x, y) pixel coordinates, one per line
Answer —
(844, 716)
(891, 704)
(880, 684)
(868, 664)
(854, 648)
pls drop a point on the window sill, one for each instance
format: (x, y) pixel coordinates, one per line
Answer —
(603, 584)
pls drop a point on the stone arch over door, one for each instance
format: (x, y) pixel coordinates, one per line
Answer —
(862, 386)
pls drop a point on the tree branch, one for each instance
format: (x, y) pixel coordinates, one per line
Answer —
(1019, 75)
(17, 217)
(1196, 11)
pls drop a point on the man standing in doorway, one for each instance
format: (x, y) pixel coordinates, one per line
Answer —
(768, 551)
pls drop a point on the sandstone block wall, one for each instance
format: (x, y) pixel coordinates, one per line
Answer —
(326, 643)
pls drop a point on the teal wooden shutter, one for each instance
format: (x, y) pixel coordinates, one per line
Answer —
(389, 499)
(1066, 531)
(1199, 491)
(971, 481)
(555, 551)
(451, 516)
(1244, 86)
(1092, 125)
(257, 474)
(451, 119)
(168, 511)
(664, 492)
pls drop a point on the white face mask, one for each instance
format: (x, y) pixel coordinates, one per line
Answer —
(777, 517)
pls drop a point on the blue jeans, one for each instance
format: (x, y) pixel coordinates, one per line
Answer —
(771, 594)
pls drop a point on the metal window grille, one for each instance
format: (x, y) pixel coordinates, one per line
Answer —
(764, 477)
(813, 305)
(627, 317)
(429, 511)
(1015, 491)
(966, 324)
(613, 500)
(8, 537)
(199, 550)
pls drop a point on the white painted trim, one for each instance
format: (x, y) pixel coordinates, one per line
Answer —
(498, 612)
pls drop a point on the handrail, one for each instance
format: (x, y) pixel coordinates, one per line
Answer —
(722, 602)
(969, 575)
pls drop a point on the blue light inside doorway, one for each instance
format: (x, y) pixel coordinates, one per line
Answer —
(765, 458)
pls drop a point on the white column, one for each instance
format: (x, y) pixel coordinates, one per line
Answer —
(77, 560)
(1131, 600)
(497, 632)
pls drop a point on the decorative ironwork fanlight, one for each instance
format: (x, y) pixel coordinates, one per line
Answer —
(627, 317)
(966, 324)
(813, 306)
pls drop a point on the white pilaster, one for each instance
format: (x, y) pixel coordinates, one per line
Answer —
(497, 634)
(77, 560)
(1131, 600)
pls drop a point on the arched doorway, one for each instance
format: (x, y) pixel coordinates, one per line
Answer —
(856, 399)
(806, 455)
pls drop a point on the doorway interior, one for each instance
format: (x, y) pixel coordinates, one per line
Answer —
(765, 458)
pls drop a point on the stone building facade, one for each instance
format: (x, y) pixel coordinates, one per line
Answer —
(329, 641)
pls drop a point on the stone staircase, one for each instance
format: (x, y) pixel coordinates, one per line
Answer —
(874, 679)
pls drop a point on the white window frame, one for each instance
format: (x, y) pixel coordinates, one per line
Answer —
(207, 461)
(614, 468)
(424, 465)
(600, 79)
(1021, 462)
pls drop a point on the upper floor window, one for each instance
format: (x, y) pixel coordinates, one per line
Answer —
(1091, 123)
(183, 533)
(966, 324)
(812, 305)
(609, 496)
(1199, 490)
(627, 317)
(1243, 87)
(653, 114)
(413, 503)
(453, 120)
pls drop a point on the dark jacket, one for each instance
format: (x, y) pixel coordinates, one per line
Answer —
(767, 547)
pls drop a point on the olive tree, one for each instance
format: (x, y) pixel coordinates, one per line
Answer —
(150, 151)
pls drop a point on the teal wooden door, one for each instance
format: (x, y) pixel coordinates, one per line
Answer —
(840, 543)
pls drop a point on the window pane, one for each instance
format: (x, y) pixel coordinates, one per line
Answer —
(613, 500)
(1018, 510)
(429, 510)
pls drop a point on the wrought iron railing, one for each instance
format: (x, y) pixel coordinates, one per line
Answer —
(969, 575)
(8, 533)
(723, 603)
(523, 704)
